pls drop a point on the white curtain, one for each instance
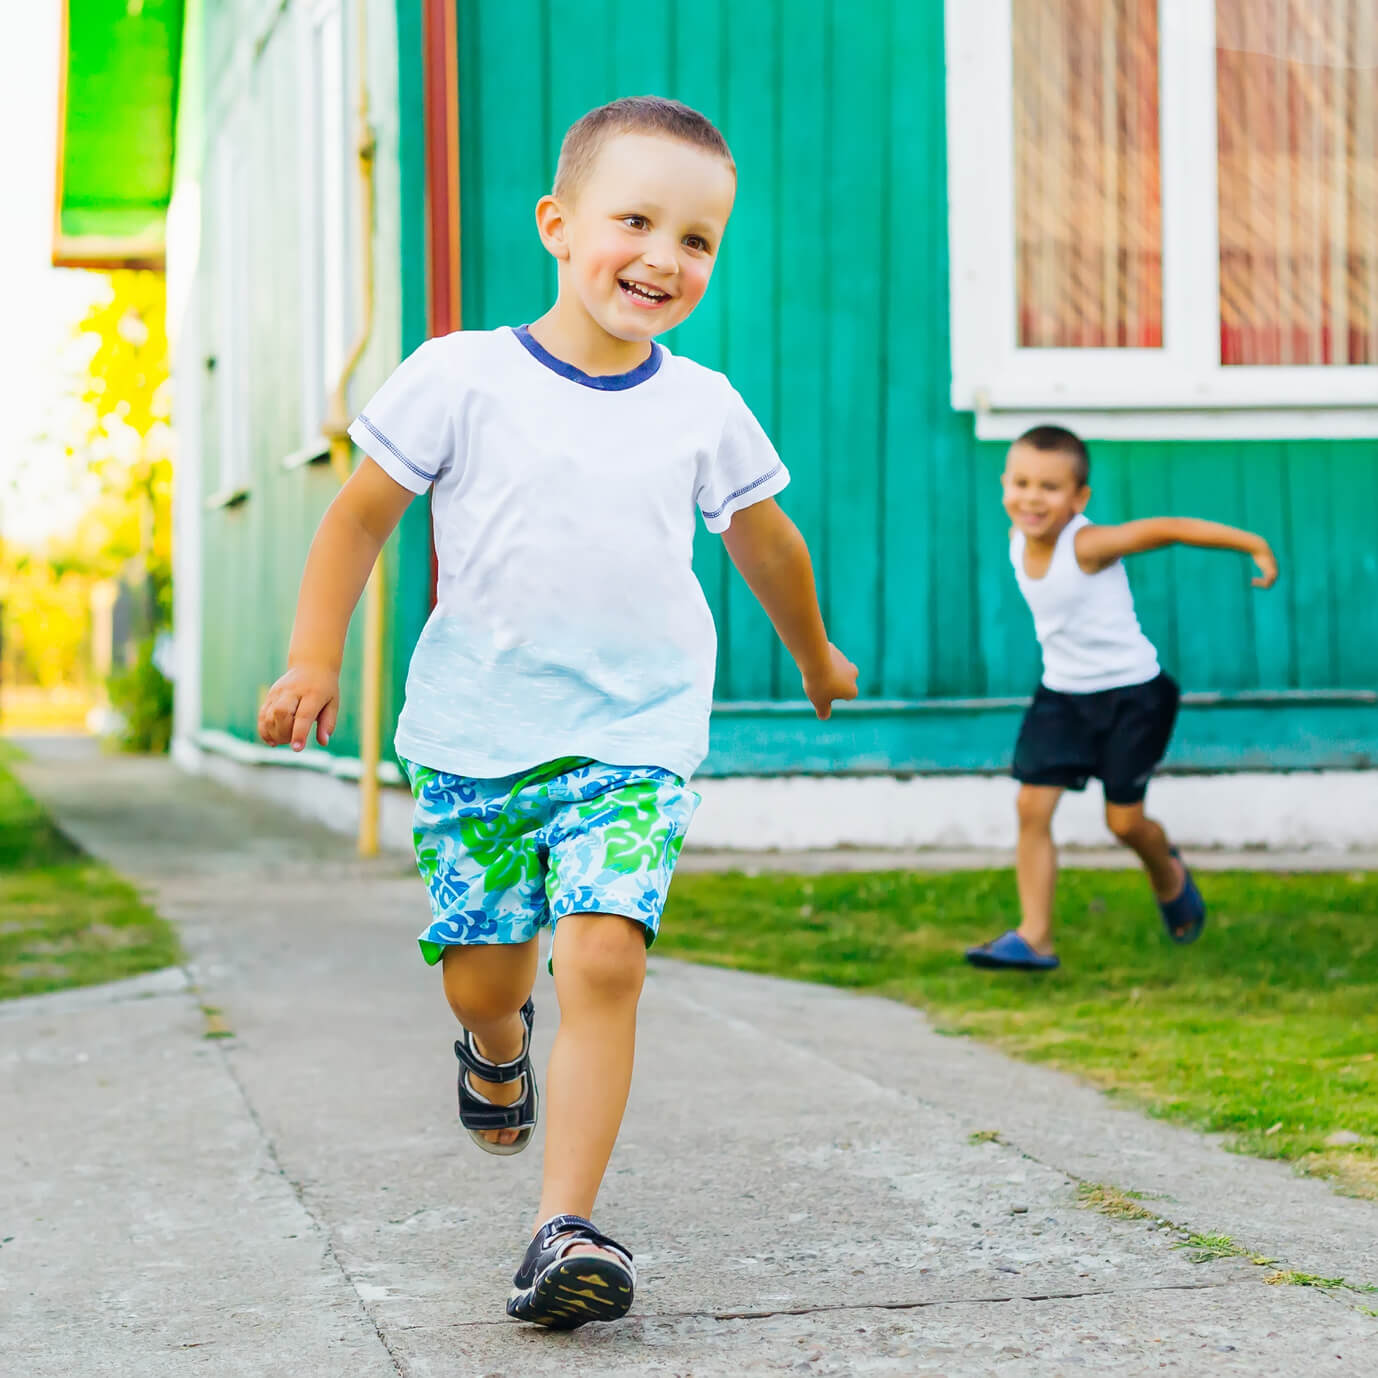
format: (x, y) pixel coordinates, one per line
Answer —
(1088, 203)
(1297, 101)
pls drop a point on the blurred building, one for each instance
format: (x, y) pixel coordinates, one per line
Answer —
(1152, 220)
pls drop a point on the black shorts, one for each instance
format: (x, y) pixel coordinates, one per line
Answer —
(1117, 736)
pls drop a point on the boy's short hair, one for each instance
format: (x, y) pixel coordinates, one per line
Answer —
(632, 115)
(1059, 440)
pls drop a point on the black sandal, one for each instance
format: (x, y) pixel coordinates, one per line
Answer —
(560, 1291)
(478, 1114)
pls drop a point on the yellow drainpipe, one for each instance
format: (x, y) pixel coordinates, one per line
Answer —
(337, 432)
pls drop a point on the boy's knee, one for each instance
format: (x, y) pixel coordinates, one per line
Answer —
(1124, 822)
(1034, 808)
(477, 1002)
(605, 954)
(481, 990)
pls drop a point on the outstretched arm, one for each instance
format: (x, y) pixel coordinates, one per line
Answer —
(1098, 547)
(347, 542)
(771, 556)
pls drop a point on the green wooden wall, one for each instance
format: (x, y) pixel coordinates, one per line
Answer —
(829, 311)
(254, 552)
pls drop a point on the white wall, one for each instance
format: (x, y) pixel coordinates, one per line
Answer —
(1309, 811)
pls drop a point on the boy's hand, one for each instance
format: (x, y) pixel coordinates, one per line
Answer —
(304, 695)
(1267, 566)
(835, 680)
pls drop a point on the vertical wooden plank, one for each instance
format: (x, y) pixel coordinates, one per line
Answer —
(1213, 621)
(800, 268)
(745, 282)
(1310, 486)
(1265, 511)
(1209, 608)
(583, 60)
(411, 606)
(639, 42)
(698, 77)
(1005, 627)
(856, 161)
(915, 335)
(1148, 493)
(473, 168)
(953, 598)
(1354, 564)
(511, 128)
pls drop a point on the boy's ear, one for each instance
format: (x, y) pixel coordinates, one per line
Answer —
(553, 227)
(1082, 498)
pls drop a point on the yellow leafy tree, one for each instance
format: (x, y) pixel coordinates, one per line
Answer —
(120, 453)
(127, 442)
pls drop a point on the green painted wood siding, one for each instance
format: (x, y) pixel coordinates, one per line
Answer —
(829, 311)
(254, 552)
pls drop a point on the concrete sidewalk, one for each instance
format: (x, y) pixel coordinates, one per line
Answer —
(297, 1200)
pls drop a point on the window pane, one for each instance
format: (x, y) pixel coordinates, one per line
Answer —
(1088, 203)
(1298, 131)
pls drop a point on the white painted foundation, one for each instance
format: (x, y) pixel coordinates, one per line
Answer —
(1292, 811)
(1299, 811)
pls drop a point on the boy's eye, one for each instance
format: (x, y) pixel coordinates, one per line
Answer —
(696, 242)
(635, 222)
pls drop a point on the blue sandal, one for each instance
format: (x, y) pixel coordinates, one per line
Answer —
(560, 1291)
(477, 1113)
(1185, 916)
(1009, 952)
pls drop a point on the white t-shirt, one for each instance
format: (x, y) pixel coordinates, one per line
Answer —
(568, 620)
(1086, 623)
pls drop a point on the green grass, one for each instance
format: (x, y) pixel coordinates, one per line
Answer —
(1266, 1030)
(1111, 1201)
(65, 920)
(1206, 1248)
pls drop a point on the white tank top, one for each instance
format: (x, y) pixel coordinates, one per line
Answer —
(1085, 623)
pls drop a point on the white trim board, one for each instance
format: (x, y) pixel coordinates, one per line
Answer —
(1317, 811)
(1357, 423)
(1294, 811)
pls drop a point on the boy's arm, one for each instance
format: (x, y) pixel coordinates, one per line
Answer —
(771, 556)
(1098, 547)
(347, 543)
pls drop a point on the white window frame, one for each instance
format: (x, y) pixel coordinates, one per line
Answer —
(232, 281)
(1181, 391)
(324, 208)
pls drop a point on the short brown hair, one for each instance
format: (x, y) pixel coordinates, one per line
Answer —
(1059, 440)
(632, 115)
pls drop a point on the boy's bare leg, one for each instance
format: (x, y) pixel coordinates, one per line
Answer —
(1141, 834)
(486, 987)
(1035, 865)
(600, 965)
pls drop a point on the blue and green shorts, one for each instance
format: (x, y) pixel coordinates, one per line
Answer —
(504, 858)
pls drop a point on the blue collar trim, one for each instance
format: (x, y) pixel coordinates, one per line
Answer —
(609, 382)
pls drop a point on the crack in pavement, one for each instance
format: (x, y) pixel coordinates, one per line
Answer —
(318, 1222)
(843, 1307)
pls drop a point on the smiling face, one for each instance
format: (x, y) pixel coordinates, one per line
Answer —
(1042, 490)
(638, 238)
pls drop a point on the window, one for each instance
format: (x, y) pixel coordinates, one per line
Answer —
(1112, 264)
(325, 177)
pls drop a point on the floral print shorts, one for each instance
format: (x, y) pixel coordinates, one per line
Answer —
(504, 858)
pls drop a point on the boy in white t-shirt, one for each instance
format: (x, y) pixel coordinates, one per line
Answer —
(558, 698)
(1104, 708)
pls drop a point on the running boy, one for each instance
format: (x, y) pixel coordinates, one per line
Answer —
(558, 697)
(1104, 707)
